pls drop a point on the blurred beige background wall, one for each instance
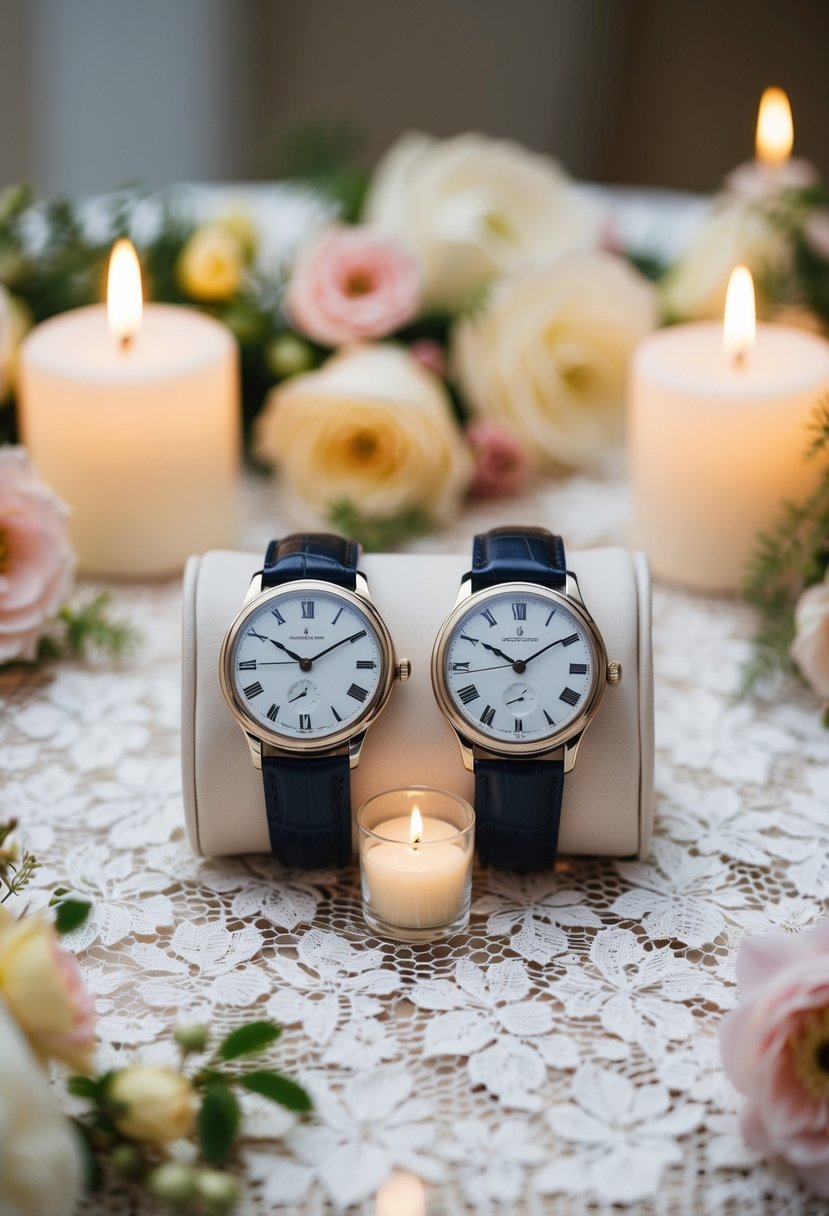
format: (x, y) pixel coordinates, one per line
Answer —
(96, 93)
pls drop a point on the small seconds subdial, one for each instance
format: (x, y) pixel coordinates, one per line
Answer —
(306, 664)
(519, 666)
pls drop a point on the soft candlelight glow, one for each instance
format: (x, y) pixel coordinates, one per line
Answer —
(401, 1195)
(416, 828)
(739, 324)
(775, 129)
(124, 296)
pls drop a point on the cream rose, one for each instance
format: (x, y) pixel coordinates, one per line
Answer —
(548, 357)
(471, 208)
(36, 559)
(42, 987)
(372, 427)
(152, 1104)
(737, 233)
(810, 648)
(40, 1156)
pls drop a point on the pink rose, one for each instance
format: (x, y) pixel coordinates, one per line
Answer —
(502, 466)
(352, 283)
(810, 648)
(775, 1047)
(36, 558)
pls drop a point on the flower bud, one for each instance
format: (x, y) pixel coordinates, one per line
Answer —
(192, 1036)
(288, 355)
(173, 1184)
(219, 1192)
(152, 1104)
(126, 1160)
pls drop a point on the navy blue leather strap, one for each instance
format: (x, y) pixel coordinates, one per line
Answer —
(321, 555)
(309, 810)
(518, 809)
(517, 555)
(308, 800)
(518, 802)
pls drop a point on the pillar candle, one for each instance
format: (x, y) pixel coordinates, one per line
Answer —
(717, 445)
(140, 438)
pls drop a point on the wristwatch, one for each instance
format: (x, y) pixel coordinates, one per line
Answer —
(306, 667)
(519, 669)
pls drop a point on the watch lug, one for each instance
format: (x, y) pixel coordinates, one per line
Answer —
(254, 589)
(355, 747)
(571, 753)
(467, 753)
(255, 746)
(361, 586)
(464, 591)
(572, 589)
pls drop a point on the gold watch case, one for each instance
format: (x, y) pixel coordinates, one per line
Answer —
(472, 740)
(351, 737)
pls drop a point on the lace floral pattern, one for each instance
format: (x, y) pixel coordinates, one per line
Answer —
(560, 1054)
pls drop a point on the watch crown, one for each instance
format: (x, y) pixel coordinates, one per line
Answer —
(614, 672)
(403, 670)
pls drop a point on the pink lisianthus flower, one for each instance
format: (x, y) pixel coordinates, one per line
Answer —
(775, 1047)
(36, 559)
(502, 465)
(352, 283)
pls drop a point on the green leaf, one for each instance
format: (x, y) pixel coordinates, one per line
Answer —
(84, 1087)
(218, 1121)
(277, 1088)
(245, 1040)
(70, 913)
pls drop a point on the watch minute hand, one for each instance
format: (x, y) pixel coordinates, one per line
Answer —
(543, 648)
(328, 649)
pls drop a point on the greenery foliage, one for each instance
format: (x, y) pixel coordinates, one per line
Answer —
(789, 558)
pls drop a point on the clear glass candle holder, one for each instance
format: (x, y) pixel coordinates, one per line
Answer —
(416, 850)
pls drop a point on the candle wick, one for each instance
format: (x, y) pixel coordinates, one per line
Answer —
(126, 341)
(740, 357)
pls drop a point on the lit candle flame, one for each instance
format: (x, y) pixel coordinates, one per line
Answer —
(124, 296)
(775, 129)
(740, 322)
(416, 828)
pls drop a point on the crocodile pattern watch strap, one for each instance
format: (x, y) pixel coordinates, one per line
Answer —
(517, 555)
(308, 804)
(321, 555)
(518, 802)
(518, 809)
(308, 800)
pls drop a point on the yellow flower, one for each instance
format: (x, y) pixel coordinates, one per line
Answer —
(211, 264)
(241, 226)
(152, 1103)
(42, 987)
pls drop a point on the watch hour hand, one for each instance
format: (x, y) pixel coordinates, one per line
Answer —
(296, 657)
(500, 653)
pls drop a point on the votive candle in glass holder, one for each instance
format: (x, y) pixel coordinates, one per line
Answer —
(416, 850)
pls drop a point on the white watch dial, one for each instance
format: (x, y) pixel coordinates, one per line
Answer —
(306, 664)
(519, 666)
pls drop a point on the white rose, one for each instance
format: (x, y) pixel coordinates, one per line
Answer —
(548, 358)
(471, 208)
(372, 427)
(737, 233)
(40, 1158)
(810, 648)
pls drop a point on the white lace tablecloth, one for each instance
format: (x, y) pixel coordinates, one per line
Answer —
(562, 1055)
